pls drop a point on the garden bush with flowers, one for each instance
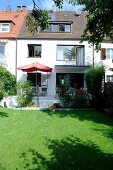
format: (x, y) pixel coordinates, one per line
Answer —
(74, 98)
(24, 94)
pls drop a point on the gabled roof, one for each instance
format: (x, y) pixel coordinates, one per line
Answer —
(78, 26)
(15, 18)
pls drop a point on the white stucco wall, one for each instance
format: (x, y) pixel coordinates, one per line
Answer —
(10, 55)
(48, 57)
(18, 58)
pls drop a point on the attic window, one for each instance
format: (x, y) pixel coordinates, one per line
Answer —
(4, 27)
(59, 27)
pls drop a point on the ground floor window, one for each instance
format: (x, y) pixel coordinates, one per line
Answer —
(109, 78)
(72, 80)
(32, 78)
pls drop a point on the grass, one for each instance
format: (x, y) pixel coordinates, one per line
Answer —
(61, 140)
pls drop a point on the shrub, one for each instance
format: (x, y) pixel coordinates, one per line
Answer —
(64, 95)
(73, 98)
(81, 98)
(95, 80)
(7, 82)
(1, 90)
(24, 93)
(108, 96)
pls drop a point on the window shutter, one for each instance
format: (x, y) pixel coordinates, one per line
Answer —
(103, 53)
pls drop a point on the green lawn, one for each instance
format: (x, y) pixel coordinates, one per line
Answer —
(61, 140)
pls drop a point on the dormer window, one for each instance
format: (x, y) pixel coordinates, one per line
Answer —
(4, 27)
(59, 27)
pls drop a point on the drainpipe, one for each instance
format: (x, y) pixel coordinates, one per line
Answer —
(16, 61)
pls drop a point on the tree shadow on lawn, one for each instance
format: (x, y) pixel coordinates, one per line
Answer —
(108, 132)
(91, 115)
(3, 114)
(68, 154)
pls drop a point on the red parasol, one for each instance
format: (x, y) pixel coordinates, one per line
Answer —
(35, 67)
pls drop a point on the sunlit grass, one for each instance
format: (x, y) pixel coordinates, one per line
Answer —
(61, 140)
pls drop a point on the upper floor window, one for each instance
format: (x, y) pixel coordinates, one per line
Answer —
(2, 55)
(59, 27)
(106, 53)
(34, 50)
(4, 27)
(2, 51)
(109, 53)
(70, 52)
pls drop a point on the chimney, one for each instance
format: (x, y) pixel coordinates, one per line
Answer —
(23, 8)
(18, 9)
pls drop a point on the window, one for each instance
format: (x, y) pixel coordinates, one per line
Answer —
(72, 80)
(70, 52)
(4, 27)
(55, 28)
(67, 28)
(32, 78)
(34, 50)
(106, 53)
(109, 53)
(2, 50)
(109, 78)
(59, 27)
(2, 55)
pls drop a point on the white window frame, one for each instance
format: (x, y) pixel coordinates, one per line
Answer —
(109, 55)
(59, 28)
(79, 53)
(34, 50)
(4, 27)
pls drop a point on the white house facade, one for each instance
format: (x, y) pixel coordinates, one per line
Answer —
(59, 48)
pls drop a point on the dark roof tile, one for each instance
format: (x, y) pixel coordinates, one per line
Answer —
(78, 26)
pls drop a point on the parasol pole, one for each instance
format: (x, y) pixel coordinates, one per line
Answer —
(47, 83)
(36, 88)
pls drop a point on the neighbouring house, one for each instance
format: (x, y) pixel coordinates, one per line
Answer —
(57, 47)
(10, 25)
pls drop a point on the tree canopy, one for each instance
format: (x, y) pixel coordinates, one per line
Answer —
(99, 19)
(7, 83)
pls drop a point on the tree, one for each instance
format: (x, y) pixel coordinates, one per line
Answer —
(99, 19)
(7, 83)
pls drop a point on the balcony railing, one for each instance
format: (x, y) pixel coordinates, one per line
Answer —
(41, 91)
(77, 62)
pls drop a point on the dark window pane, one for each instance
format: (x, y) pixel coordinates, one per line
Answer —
(37, 50)
(31, 50)
(34, 50)
(61, 27)
(73, 80)
(32, 78)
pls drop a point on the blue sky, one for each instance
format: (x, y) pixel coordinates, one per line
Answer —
(43, 4)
